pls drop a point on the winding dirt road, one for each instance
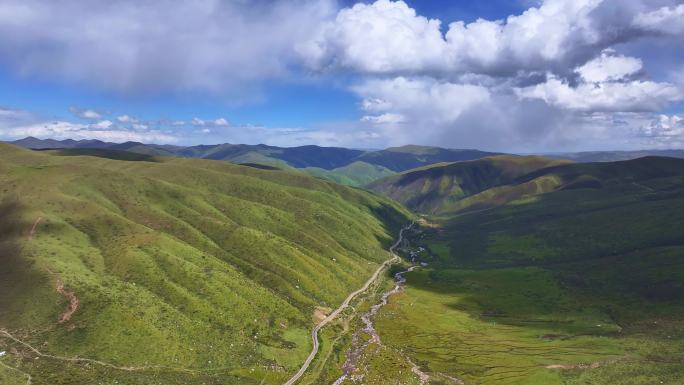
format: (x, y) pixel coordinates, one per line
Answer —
(314, 333)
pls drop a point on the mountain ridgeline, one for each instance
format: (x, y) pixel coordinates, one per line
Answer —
(450, 187)
(342, 165)
(211, 269)
(444, 189)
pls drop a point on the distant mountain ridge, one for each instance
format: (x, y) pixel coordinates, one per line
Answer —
(614, 156)
(347, 166)
(354, 167)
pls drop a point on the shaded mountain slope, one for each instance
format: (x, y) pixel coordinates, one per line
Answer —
(408, 157)
(581, 285)
(440, 188)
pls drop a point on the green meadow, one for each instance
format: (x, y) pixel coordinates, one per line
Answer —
(580, 285)
(185, 270)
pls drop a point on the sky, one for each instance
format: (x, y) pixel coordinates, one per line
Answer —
(502, 75)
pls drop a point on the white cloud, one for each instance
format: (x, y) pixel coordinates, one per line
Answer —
(382, 37)
(141, 46)
(198, 122)
(389, 37)
(126, 119)
(607, 96)
(387, 118)
(416, 109)
(667, 20)
(85, 113)
(101, 125)
(67, 130)
(427, 98)
(665, 128)
(609, 67)
(374, 105)
(221, 122)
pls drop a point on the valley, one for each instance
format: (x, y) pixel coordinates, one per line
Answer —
(142, 269)
(580, 283)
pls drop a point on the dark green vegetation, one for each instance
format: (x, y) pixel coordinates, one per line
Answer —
(580, 285)
(342, 165)
(614, 156)
(354, 174)
(477, 184)
(180, 271)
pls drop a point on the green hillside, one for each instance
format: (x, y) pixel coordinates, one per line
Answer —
(450, 187)
(171, 270)
(354, 174)
(581, 285)
(407, 157)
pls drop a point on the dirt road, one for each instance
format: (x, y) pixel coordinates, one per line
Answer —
(314, 333)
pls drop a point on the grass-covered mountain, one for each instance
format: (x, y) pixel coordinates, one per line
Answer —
(172, 270)
(449, 187)
(578, 285)
(404, 158)
(489, 182)
(346, 166)
(614, 156)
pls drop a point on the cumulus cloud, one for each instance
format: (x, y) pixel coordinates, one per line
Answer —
(427, 98)
(382, 37)
(604, 96)
(388, 37)
(152, 46)
(85, 113)
(387, 118)
(666, 20)
(198, 122)
(101, 125)
(665, 128)
(221, 122)
(104, 131)
(609, 67)
(126, 119)
(546, 78)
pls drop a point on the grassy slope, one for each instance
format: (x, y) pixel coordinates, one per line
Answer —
(354, 174)
(177, 262)
(449, 187)
(408, 157)
(580, 276)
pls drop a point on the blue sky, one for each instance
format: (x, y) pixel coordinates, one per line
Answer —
(550, 75)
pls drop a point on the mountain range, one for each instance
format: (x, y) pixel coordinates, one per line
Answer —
(142, 264)
(347, 166)
(352, 167)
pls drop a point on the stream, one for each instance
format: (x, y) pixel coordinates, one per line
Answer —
(357, 349)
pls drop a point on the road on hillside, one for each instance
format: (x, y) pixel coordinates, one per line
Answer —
(314, 333)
